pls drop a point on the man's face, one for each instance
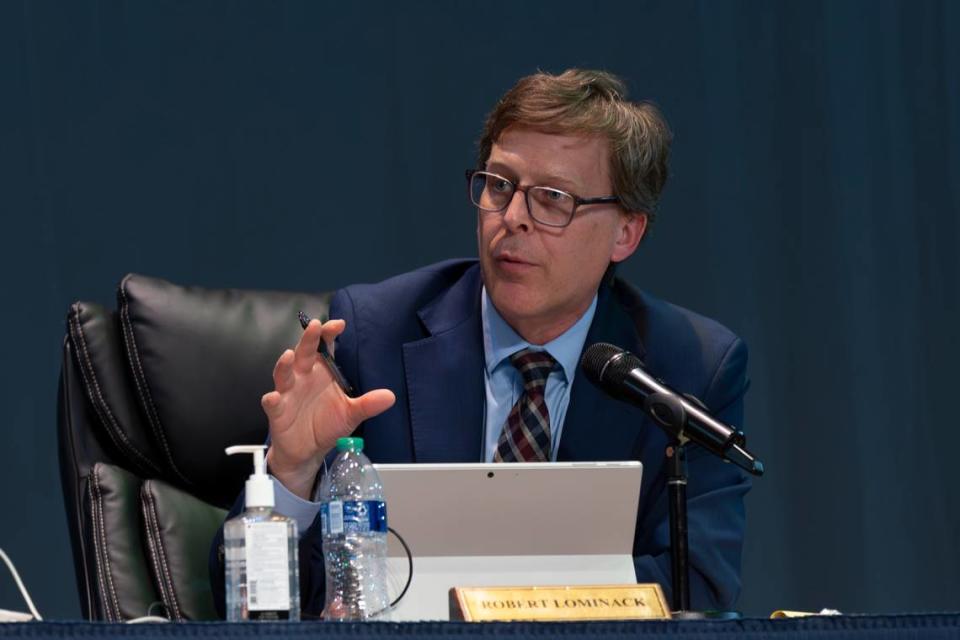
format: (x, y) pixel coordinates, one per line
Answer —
(541, 279)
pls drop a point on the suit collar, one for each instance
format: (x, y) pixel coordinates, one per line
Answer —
(617, 318)
(596, 426)
(444, 373)
(458, 304)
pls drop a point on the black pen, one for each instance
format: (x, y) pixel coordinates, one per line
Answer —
(328, 359)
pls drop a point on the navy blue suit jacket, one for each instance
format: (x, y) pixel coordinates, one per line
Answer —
(419, 334)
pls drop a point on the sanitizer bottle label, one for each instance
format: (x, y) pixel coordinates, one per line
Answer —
(268, 580)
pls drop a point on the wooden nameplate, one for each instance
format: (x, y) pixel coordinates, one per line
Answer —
(578, 602)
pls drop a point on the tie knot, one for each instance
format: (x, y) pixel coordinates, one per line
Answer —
(534, 366)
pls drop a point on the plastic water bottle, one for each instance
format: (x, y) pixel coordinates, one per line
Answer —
(353, 519)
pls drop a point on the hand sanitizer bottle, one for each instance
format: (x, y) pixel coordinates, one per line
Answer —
(262, 574)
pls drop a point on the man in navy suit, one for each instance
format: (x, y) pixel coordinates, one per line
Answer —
(477, 360)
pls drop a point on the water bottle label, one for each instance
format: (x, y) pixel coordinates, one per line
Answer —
(353, 516)
(268, 578)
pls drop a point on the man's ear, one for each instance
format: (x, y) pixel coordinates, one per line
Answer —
(629, 234)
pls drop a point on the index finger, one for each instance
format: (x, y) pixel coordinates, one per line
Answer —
(305, 353)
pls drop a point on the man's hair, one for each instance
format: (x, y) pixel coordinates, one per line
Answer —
(580, 101)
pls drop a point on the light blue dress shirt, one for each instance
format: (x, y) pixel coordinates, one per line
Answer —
(503, 384)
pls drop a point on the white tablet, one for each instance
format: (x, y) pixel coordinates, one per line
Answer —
(476, 524)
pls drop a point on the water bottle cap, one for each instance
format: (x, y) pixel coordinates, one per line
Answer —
(350, 444)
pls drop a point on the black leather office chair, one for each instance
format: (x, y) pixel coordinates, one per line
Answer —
(150, 395)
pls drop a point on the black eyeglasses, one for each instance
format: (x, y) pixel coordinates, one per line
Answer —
(548, 206)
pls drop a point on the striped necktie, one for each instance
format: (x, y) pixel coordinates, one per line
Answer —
(526, 434)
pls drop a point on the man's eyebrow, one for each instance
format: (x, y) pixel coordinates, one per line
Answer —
(558, 182)
(502, 169)
(545, 180)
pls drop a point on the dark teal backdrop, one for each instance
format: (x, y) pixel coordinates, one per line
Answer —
(813, 208)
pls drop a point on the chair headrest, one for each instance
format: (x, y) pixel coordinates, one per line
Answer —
(201, 359)
(101, 360)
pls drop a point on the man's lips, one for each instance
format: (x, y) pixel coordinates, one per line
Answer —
(511, 259)
(512, 267)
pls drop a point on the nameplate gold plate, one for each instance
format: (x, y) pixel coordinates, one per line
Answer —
(580, 602)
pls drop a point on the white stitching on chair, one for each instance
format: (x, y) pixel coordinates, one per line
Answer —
(166, 570)
(97, 400)
(103, 540)
(140, 378)
(96, 550)
(151, 545)
(167, 587)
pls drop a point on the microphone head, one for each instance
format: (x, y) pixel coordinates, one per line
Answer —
(595, 359)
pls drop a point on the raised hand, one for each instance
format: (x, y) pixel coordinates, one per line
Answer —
(308, 411)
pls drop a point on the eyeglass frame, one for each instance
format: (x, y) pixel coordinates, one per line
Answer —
(577, 200)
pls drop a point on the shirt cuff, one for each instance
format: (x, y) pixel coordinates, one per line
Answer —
(293, 506)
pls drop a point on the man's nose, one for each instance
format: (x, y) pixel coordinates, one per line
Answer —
(517, 216)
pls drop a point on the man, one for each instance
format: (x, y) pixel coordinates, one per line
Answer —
(468, 361)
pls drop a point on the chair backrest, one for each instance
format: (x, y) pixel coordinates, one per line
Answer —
(150, 395)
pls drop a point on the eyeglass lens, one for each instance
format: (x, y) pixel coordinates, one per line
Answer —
(491, 192)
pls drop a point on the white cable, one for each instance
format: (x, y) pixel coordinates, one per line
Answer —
(33, 609)
(23, 589)
(150, 617)
(147, 619)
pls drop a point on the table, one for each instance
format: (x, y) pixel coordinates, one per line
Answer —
(925, 626)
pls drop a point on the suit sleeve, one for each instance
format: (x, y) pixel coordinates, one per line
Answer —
(715, 509)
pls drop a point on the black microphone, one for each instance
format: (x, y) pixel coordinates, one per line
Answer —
(621, 374)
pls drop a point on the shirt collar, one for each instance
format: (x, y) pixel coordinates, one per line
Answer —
(500, 341)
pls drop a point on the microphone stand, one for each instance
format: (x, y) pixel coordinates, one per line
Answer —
(676, 454)
(669, 413)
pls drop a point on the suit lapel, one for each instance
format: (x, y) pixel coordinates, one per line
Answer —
(598, 427)
(444, 375)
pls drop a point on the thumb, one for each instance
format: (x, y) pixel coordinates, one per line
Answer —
(370, 404)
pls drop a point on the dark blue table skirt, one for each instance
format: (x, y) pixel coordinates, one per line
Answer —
(924, 627)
